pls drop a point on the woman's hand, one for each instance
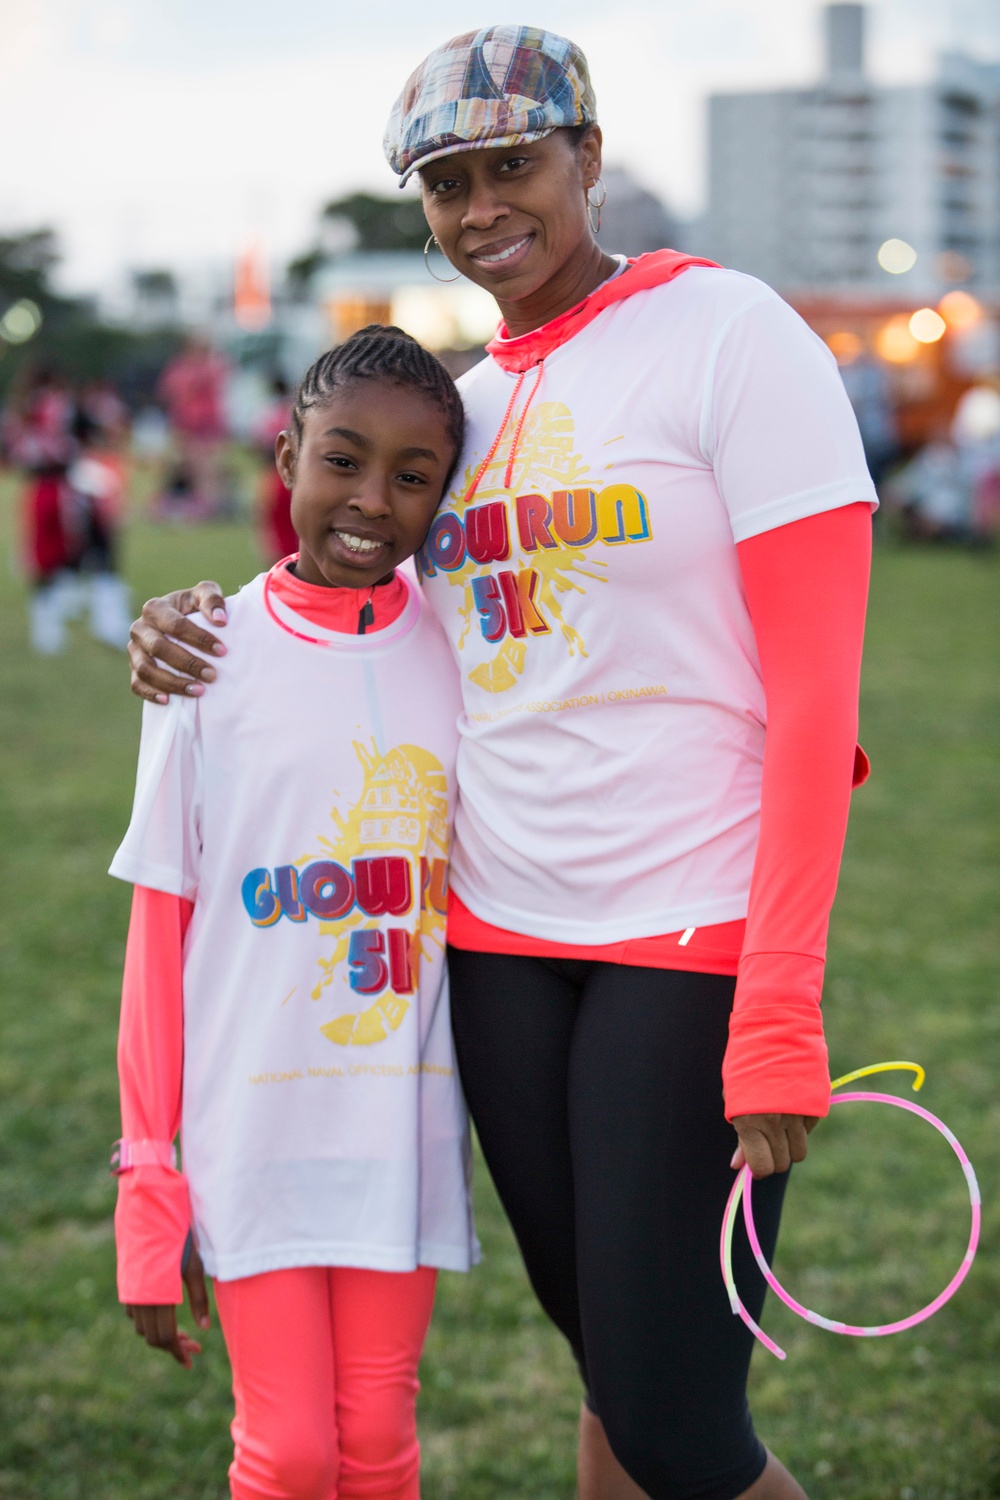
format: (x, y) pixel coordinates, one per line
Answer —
(163, 632)
(770, 1143)
(157, 1323)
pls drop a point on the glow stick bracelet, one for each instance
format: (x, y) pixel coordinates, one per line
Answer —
(741, 1192)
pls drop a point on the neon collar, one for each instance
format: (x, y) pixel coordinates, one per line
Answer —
(529, 349)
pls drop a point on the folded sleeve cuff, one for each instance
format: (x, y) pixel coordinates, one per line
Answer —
(776, 1061)
(152, 1220)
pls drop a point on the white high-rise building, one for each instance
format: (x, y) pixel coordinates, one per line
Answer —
(805, 185)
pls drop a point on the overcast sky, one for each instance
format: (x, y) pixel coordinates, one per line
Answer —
(168, 132)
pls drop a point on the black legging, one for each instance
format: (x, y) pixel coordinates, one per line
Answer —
(596, 1092)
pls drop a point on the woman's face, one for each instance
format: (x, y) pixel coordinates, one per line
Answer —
(366, 477)
(512, 219)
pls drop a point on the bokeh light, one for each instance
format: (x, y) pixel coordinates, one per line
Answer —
(977, 417)
(960, 310)
(844, 346)
(894, 341)
(927, 326)
(896, 256)
(21, 321)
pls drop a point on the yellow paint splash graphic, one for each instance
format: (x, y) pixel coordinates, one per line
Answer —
(403, 808)
(545, 452)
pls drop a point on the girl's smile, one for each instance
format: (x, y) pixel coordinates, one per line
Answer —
(366, 477)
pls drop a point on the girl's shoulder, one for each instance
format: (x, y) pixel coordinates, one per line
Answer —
(243, 610)
(247, 600)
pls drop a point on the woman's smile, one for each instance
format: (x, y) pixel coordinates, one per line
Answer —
(503, 254)
(513, 219)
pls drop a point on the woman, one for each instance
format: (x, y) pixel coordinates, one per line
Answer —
(658, 541)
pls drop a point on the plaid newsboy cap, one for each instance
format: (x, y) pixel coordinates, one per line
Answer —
(501, 86)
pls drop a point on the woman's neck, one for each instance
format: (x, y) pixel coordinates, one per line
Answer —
(569, 286)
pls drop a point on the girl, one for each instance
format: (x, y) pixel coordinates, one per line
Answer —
(284, 998)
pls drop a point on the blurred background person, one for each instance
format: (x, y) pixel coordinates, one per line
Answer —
(71, 508)
(108, 414)
(274, 499)
(950, 490)
(932, 492)
(192, 391)
(96, 482)
(38, 440)
(870, 394)
(976, 432)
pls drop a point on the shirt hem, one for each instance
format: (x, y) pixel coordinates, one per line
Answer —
(702, 950)
(599, 935)
(362, 1257)
(707, 961)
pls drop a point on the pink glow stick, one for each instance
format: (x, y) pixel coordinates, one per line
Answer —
(742, 1191)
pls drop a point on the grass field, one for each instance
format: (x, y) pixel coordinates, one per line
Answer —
(875, 1220)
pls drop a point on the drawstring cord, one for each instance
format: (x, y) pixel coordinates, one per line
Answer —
(500, 432)
(496, 441)
(517, 434)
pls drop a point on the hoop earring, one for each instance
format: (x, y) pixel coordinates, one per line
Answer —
(597, 204)
(432, 241)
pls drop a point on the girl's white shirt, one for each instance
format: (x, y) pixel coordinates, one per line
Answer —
(304, 805)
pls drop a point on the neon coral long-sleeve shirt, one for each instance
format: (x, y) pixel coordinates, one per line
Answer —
(153, 1213)
(807, 589)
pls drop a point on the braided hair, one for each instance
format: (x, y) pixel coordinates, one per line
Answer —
(381, 353)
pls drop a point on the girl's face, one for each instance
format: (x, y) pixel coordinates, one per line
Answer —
(366, 479)
(513, 218)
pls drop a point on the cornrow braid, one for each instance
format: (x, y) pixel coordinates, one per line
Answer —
(381, 352)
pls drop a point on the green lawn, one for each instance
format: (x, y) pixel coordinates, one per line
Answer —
(875, 1221)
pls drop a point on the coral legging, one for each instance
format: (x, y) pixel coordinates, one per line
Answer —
(325, 1379)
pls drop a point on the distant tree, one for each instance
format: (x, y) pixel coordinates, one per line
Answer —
(26, 264)
(303, 268)
(381, 223)
(361, 221)
(155, 292)
(158, 286)
(72, 336)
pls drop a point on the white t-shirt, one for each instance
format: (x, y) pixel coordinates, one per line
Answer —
(613, 728)
(304, 805)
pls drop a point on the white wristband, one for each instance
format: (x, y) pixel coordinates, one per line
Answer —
(128, 1154)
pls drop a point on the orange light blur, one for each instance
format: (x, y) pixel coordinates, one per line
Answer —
(844, 346)
(349, 312)
(927, 326)
(251, 290)
(894, 341)
(960, 310)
